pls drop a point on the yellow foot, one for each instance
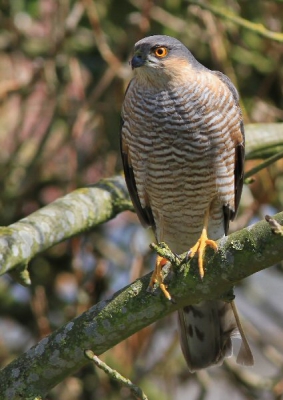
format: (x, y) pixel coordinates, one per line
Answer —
(199, 248)
(156, 276)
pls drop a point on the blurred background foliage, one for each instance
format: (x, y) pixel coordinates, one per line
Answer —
(63, 72)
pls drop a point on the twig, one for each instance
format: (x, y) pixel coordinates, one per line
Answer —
(137, 392)
(164, 251)
(145, 16)
(275, 226)
(163, 17)
(102, 45)
(102, 85)
(263, 165)
(74, 17)
(248, 378)
(256, 28)
(115, 66)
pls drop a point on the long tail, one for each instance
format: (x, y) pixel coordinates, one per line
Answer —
(205, 334)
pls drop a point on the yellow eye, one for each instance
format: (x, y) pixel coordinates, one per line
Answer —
(161, 52)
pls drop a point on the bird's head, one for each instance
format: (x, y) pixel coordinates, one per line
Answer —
(162, 57)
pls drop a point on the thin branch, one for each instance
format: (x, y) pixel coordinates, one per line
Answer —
(224, 13)
(264, 164)
(274, 225)
(163, 17)
(137, 392)
(101, 41)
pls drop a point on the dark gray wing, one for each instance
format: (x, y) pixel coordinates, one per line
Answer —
(144, 213)
(239, 140)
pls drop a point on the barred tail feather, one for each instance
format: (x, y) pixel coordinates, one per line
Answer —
(245, 355)
(205, 334)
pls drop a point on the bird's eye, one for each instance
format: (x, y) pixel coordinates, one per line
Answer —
(161, 52)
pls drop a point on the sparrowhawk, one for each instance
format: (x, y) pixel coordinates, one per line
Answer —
(182, 144)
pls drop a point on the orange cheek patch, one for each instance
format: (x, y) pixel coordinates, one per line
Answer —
(177, 64)
(180, 70)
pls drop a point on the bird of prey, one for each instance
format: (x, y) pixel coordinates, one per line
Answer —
(182, 145)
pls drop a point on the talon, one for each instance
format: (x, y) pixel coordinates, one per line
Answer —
(165, 291)
(177, 256)
(199, 247)
(156, 276)
(188, 255)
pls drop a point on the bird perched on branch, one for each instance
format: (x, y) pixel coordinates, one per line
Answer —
(182, 144)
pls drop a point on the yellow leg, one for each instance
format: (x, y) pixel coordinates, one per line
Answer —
(199, 247)
(156, 276)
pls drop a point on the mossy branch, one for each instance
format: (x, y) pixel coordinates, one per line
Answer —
(109, 322)
(68, 216)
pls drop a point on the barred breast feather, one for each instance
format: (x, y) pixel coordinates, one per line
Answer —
(180, 143)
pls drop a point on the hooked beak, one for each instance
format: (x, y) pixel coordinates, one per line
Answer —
(137, 61)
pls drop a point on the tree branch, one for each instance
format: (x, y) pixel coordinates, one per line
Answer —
(263, 140)
(263, 165)
(109, 322)
(137, 392)
(70, 215)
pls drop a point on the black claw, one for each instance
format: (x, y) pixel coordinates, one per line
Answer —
(186, 259)
(177, 256)
(150, 289)
(188, 255)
